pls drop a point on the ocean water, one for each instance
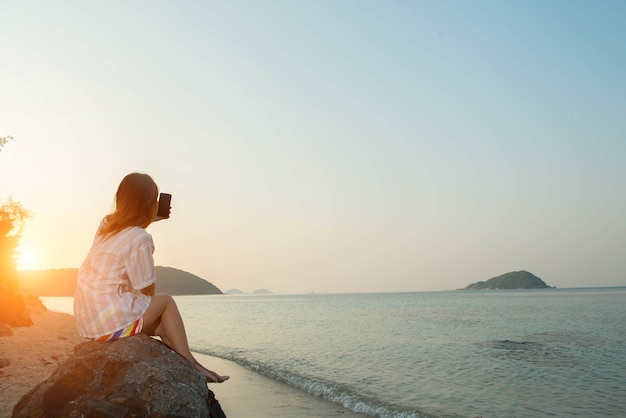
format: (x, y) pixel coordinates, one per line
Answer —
(519, 353)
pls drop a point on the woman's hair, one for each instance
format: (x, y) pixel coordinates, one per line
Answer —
(135, 204)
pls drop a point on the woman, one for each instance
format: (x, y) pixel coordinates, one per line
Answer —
(115, 295)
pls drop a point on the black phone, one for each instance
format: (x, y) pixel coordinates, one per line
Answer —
(164, 205)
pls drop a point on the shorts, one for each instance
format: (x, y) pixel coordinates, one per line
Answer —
(132, 329)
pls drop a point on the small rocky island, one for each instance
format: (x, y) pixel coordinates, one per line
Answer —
(513, 280)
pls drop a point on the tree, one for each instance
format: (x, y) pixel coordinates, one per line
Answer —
(4, 140)
(13, 217)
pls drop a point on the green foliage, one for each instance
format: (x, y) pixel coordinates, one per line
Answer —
(13, 217)
(513, 280)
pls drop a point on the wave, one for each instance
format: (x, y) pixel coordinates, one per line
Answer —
(328, 390)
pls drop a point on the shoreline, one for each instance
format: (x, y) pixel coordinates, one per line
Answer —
(35, 352)
(254, 395)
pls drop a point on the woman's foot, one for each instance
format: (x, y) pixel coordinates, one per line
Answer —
(217, 378)
(210, 375)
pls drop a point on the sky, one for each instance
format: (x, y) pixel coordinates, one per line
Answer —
(325, 146)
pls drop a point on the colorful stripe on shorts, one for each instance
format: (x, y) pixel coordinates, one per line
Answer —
(132, 329)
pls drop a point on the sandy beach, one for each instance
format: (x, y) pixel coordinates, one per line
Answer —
(34, 352)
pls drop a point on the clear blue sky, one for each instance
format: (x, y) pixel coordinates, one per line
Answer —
(326, 146)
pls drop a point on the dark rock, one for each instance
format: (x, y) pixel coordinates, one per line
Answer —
(133, 377)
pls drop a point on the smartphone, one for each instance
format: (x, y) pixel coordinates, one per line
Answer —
(164, 205)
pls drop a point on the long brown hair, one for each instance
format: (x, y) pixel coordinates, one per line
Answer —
(135, 204)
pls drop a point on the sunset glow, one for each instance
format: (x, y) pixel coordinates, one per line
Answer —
(325, 146)
(26, 259)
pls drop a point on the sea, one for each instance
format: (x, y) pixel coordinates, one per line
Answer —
(498, 353)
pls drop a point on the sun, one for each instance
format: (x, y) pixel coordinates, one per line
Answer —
(26, 259)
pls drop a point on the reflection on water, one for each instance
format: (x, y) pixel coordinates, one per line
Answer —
(59, 304)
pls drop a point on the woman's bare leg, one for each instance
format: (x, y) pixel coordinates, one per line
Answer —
(214, 376)
(163, 319)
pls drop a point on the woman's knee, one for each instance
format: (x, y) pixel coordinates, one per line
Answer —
(158, 304)
(163, 299)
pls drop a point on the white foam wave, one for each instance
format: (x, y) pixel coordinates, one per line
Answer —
(329, 391)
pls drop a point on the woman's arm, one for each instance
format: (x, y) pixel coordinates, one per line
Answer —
(148, 290)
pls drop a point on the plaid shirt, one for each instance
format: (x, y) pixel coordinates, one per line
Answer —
(108, 296)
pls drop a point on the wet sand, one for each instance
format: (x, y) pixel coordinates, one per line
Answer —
(249, 394)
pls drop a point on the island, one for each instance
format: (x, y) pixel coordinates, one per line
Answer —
(256, 292)
(513, 280)
(62, 282)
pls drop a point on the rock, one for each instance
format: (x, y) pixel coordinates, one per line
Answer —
(136, 376)
(5, 330)
(13, 311)
(34, 304)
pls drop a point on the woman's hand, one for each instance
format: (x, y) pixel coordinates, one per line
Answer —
(148, 290)
(159, 218)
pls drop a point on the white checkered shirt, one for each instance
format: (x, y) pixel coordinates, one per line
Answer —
(108, 296)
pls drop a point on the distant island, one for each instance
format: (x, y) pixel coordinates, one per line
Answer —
(513, 280)
(179, 282)
(62, 282)
(256, 292)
